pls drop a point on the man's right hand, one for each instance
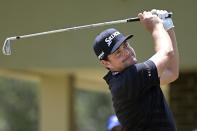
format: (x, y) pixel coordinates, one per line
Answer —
(162, 14)
(150, 21)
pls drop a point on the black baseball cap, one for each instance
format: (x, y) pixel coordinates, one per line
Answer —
(107, 42)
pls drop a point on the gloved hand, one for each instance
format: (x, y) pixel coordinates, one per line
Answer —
(162, 14)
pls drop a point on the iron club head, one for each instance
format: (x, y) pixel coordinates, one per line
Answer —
(6, 47)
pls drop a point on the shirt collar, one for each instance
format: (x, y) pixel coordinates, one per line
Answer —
(109, 75)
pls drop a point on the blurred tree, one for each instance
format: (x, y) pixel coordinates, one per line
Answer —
(92, 110)
(18, 105)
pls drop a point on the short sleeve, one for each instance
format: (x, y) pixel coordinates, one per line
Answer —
(147, 72)
(139, 78)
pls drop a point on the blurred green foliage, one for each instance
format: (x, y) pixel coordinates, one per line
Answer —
(18, 105)
(92, 110)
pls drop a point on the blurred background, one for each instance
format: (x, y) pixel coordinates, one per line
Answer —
(54, 82)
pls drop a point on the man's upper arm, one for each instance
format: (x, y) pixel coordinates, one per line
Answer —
(161, 60)
(167, 77)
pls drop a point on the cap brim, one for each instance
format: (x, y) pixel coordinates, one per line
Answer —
(119, 43)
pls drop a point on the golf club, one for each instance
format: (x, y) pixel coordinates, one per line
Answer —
(7, 49)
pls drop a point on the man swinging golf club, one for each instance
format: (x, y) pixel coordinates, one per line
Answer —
(135, 87)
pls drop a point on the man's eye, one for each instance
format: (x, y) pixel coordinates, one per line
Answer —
(127, 44)
(117, 52)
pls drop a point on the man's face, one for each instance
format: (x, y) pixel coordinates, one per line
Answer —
(123, 57)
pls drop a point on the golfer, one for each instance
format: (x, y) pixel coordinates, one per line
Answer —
(135, 87)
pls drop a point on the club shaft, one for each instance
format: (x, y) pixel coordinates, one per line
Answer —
(79, 27)
(7, 50)
(71, 28)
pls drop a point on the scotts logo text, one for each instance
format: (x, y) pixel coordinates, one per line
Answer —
(111, 37)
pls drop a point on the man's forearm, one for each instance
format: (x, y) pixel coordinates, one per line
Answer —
(163, 48)
(173, 65)
(162, 40)
(171, 72)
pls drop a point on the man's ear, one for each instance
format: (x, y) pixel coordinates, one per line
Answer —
(105, 63)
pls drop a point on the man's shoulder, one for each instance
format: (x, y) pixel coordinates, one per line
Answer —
(130, 71)
(117, 76)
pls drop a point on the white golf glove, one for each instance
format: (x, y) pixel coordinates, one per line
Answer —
(162, 14)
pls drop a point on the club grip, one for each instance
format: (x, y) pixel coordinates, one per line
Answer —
(138, 19)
